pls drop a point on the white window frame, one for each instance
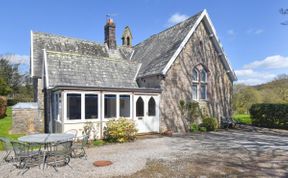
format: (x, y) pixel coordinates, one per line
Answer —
(82, 119)
(199, 83)
(117, 105)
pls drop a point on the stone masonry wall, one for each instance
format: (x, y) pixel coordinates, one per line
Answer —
(177, 84)
(26, 120)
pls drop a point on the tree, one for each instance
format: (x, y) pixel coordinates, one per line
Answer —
(10, 74)
(284, 12)
(4, 88)
(14, 84)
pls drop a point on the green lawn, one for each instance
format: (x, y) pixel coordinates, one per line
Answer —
(5, 126)
(242, 118)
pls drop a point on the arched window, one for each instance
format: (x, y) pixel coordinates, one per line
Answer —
(140, 107)
(151, 107)
(195, 74)
(128, 41)
(200, 80)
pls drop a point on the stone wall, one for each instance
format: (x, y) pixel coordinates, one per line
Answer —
(177, 84)
(26, 118)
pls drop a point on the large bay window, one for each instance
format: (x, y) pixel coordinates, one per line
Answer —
(199, 86)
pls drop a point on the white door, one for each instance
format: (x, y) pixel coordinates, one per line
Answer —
(146, 113)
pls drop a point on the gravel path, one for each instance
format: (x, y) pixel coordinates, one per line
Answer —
(246, 152)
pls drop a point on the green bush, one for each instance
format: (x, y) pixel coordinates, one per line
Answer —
(270, 115)
(209, 123)
(194, 127)
(121, 130)
(202, 129)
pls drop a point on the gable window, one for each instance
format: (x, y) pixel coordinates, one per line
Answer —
(200, 80)
(91, 106)
(73, 106)
(151, 107)
(124, 106)
(109, 106)
(140, 107)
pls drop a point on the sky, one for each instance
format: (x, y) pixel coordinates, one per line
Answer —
(250, 30)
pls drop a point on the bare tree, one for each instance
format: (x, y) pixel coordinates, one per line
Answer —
(284, 12)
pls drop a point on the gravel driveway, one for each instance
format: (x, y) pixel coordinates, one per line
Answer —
(247, 152)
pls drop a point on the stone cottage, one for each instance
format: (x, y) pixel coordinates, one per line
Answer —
(78, 81)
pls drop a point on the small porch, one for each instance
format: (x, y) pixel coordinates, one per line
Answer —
(71, 109)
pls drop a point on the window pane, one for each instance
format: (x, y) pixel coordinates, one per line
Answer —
(203, 76)
(151, 107)
(91, 106)
(195, 75)
(124, 106)
(110, 106)
(73, 106)
(203, 92)
(140, 107)
(194, 92)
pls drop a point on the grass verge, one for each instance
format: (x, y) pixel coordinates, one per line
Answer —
(5, 126)
(242, 118)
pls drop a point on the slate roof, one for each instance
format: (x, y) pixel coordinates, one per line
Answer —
(155, 52)
(60, 43)
(67, 69)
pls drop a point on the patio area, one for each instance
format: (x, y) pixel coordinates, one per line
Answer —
(247, 152)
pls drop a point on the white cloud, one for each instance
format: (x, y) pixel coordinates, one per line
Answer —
(270, 62)
(249, 73)
(17, 59)
(176, 18)
(231, 32)
(253, 31)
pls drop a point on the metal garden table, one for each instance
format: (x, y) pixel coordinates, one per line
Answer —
(46, 140)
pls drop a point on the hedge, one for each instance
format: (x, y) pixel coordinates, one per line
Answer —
(270, 115)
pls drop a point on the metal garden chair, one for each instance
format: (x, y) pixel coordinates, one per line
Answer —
(6, 145)
(59, 155)
(72, 131)
(26, 155)
(78, 150)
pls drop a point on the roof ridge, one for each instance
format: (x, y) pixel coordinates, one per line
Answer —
(90, 56)
(197, 14)
(68, 37)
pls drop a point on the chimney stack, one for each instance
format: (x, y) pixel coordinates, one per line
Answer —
(110, 38)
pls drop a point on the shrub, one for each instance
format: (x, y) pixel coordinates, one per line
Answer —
(209, 123)
(3, 106)
(194, 127)
(202, 129)
(121, 130)
(270, 115)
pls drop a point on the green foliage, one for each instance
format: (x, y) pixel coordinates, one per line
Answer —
(275, 92)
(242, 118)
(209, 123)
(194, 127)
(88, 129)
(270, 115)
(13, 84)
(5, 126)
(4, 88)
(121, 130)
(202, 129)
(98, 142)
(190, 110)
